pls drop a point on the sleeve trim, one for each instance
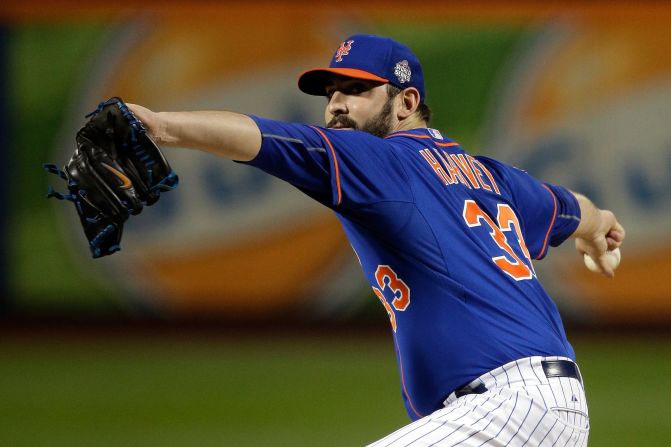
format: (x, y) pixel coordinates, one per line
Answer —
(552, 222)
(335, 164)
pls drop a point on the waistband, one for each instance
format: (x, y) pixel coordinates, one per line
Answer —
(522, 372)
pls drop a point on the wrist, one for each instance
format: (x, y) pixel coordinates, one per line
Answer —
(163, 131)
(590, 219)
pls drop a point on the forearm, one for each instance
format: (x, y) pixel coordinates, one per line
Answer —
(227, 134)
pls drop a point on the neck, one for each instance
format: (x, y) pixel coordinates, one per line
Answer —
(411, 122)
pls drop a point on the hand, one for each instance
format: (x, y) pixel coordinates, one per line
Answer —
(607, 235)
(149, 119)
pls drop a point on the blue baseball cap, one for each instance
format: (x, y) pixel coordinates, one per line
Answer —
(374, 58)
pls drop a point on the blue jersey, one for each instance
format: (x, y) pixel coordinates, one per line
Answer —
(445, 240)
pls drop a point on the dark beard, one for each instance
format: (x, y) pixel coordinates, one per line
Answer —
(379, 125)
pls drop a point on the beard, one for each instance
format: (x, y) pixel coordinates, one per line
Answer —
(379, 125)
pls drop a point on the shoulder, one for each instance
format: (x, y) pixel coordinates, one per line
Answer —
(494, 164)
(350, 137)
(503, 171)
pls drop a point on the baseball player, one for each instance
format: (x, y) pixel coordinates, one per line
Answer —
(445, 239)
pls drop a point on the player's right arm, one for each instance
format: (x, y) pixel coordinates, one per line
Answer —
(597, 232)
(227, 134)
(568, 214)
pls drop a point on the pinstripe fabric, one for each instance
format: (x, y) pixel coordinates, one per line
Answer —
(521, 407)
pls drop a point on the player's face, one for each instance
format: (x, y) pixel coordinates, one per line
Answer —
(359, 104)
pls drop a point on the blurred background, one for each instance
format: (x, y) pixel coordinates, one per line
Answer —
(235, 313)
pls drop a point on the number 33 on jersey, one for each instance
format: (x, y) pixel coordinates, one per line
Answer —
(387, 278)
(474, 216)
(511, 264)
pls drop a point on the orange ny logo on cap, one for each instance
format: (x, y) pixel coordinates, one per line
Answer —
(343, 50)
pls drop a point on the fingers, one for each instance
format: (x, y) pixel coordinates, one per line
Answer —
(601, 234)
(594, 248)
(600, 259)
(614, 239)
(615, 236)
(611, 230)
(605, 268)
(606, 264)
(613, 242)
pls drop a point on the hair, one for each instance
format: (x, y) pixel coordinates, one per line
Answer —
(423, 110)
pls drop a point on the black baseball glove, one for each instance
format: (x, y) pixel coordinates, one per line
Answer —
(116, 170)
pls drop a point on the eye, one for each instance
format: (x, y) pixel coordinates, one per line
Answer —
(355, 88)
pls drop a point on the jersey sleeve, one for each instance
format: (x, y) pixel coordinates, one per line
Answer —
(339, 168)
(549, 213)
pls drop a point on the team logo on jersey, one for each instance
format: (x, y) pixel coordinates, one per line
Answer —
(435, 134)
(343, 50)
(402, 71)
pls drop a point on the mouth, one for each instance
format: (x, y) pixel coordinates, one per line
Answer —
(341, 122)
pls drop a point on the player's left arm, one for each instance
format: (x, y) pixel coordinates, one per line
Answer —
(599, 231)
(349, 169)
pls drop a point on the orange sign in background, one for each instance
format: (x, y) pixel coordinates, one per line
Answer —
(578, 97)
(587, 106)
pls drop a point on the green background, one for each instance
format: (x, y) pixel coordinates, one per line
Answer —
(332, 389)
(180, 388)
(48, 63)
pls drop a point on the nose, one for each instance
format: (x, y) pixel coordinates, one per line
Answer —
(337, 104)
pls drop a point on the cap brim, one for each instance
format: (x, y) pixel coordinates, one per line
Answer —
(313, 82)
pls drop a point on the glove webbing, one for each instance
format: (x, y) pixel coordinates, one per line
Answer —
(95, 243)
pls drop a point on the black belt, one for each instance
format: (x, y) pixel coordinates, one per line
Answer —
(561, 368)
(551, 368)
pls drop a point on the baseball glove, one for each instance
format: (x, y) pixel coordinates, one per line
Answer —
(115, 171)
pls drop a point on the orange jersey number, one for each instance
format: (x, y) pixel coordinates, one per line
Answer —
(386, 277)
(506, 219)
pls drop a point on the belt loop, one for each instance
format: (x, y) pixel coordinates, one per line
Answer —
(469, 389)
(561, 368)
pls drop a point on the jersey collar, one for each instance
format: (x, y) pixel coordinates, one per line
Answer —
(420, 132)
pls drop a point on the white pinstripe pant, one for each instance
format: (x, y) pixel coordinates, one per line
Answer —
(521, 407)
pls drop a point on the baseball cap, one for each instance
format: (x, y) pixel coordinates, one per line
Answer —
(365, 56)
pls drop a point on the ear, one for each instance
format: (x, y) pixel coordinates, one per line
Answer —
(408, 103)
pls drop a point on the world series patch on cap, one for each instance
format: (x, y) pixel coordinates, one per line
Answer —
(373, 58)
